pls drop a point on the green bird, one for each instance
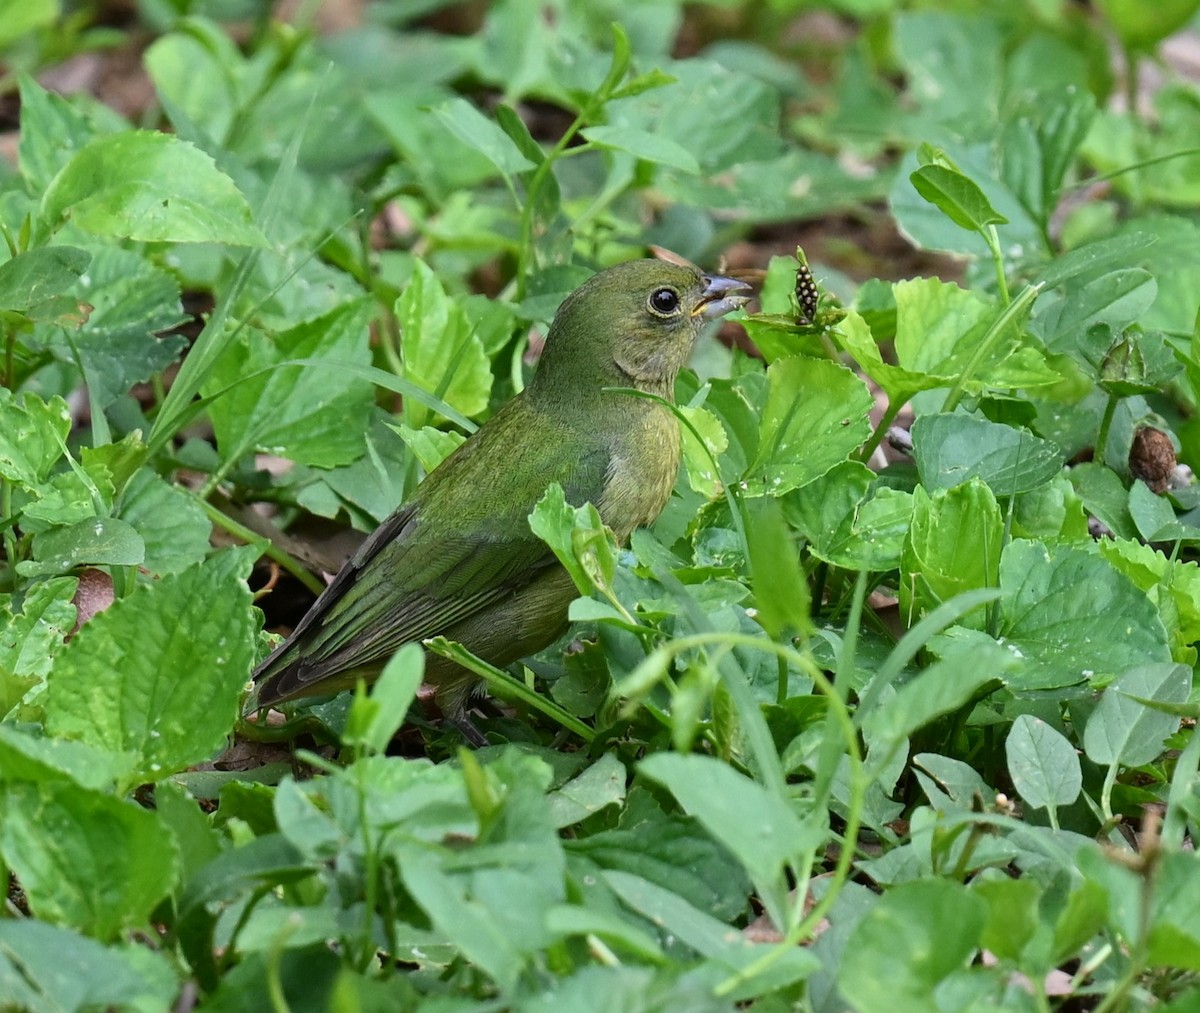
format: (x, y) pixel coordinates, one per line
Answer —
(458, 559)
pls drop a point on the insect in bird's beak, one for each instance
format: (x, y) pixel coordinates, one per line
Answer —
(720, 296)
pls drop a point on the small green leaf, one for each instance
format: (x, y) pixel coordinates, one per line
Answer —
(957, 196)
(101, 541)
(1123, 730)
(471, 127)
(431, 446)
(33, 436)
(441, 351)
(643, 145)
(150, 187)
(20, 17)
(314, 416)
(374, 720)
(35, 277)
(577, 537)
(1042, 763)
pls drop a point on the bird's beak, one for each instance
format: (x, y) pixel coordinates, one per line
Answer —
(720, 296)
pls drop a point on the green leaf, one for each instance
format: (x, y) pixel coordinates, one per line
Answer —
(600, 785)
(816, 414)
(846, 525)
(101, 541)
(44, 967)
(374, 720)
(1070, 617)
(957, 196)
(698, 458)
(32, 636)
(441, 351)
(1124, 730)
(33, 436)
(577, 537)
(33, 278)
(942, 688)
(20, 17)
(643, 145)
(431, 446)
(1042, 763)
(157, 676)
(761, 831)
(173, 526)
(149, 187)
(781, 593)
(312, 415)
(916, 936)
(474, 129)
(84, 858)
(1141, 28)
(953, 448)
(1173, 586)
(118, 345)
(953, 545)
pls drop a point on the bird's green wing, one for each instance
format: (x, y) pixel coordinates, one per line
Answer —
(460, 545)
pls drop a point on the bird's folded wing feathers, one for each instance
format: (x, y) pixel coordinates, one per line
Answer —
(422, 571)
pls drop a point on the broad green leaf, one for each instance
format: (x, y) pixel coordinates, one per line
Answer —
(952, 448)
(845, 524)
(1172, 585)
(761, 830)
(1042, 763)
(158, 675)
(915, 936)
(1094, 257)
(815, 415)
(45, 967)
(312, 415)
(173, 526)
(84, 858)
(1122, 729)
(1104, 496)
(149, 187)
(441, 351)
(36, 277)
(643, 145)
(474, 129)
(100, 541)
(1174, 920)
(54, 128)
(33, 435)
(1071, 618)
(953, 545)
(198, 70)
(957, 196)
(118, 345)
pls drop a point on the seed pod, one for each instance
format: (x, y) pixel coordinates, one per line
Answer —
(807, 293)
(1152, 458)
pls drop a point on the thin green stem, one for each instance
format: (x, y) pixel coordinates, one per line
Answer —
(1007, 318)
(885, 423)
(993, 240)
(1110, 410)
(265, 545)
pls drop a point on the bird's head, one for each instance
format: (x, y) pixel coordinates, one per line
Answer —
(634, 325)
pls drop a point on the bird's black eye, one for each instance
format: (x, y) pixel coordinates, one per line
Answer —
(664, 301)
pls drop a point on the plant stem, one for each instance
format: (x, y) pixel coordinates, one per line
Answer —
(1110, 409)
(885, 423)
